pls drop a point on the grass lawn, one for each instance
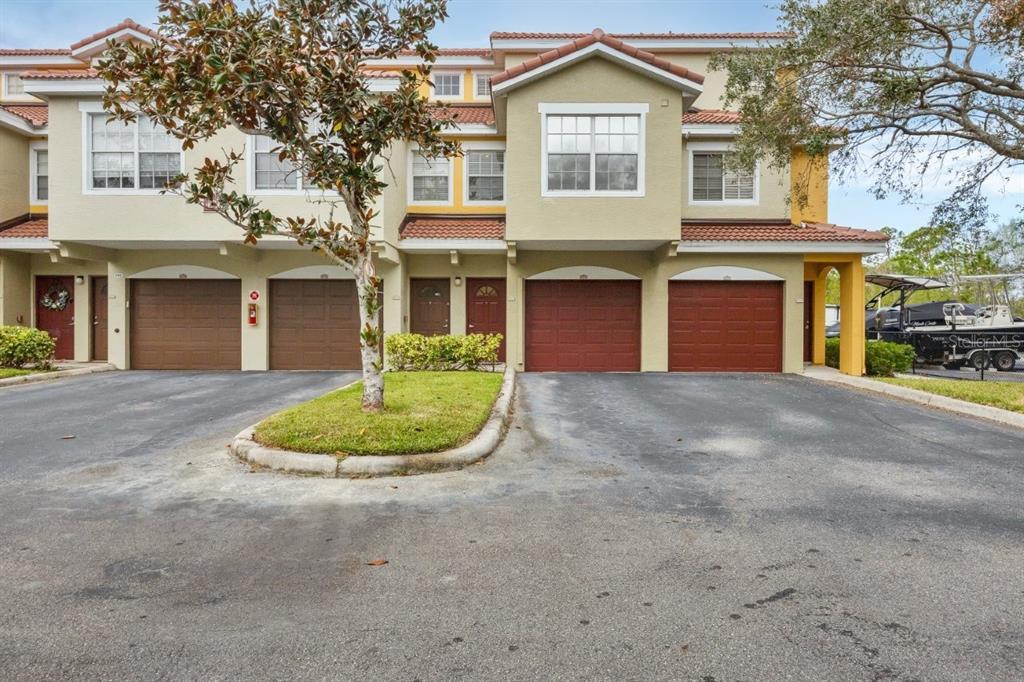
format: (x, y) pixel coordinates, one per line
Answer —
(8, 372)
(423, 412)
(1004, 394)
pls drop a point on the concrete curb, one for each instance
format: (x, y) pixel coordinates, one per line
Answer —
(369, 466)
(50, 376)
(994, 414)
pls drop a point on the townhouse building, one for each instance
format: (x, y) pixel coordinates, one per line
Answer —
(592, 220)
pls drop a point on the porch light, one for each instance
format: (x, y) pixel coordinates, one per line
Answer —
(79, 280)
(458, 281)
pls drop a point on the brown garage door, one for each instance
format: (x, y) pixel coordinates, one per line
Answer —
(582, 326)
(314, 324)
(186, 324)
(725, 327)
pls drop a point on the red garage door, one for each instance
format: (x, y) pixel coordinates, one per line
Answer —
(725, 327)
(582, 326)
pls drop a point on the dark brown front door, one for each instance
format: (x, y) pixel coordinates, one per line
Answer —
(808, 321)
(186, 324)
(431, 303)
(55, 312)
(314, 324)
(583, 325)
(725, 326)
(99, 318)
(485, 309)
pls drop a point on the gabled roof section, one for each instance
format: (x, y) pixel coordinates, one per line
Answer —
(526, 35)
(711, 117)
(97, 42)
(36, 115)
(34, 228)
(600, 43)
(452, 227)
(774, 231)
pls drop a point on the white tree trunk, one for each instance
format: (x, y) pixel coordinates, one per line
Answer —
(370, 335)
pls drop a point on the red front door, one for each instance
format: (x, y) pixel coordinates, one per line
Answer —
(55, 312)
(485, 309)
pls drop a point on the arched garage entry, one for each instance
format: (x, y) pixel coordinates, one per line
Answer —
(583, 319)
(725, 319)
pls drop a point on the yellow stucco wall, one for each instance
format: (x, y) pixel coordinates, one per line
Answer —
(14, 179)
(652, 216)
(809, 176)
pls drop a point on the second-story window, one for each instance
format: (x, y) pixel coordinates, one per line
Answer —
(483, 84)
(714, 181)
(597, 154)
(139, 155)
(485, 172)
(42, 175)
(13, 85)
(430, 180)
(269, 171)
(448, 85)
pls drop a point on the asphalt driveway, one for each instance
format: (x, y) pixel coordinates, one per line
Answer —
(630, 527)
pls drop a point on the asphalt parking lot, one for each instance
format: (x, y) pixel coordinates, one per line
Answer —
(632, 526)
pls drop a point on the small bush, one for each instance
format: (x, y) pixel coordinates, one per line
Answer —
(20, 346)
(418, 353)
(882, 358)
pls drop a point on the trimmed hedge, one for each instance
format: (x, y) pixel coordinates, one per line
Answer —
(881, 358)
(418, 353)
(20, 346)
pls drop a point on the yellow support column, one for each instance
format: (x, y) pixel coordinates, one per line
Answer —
(851, 312)
(818, 345)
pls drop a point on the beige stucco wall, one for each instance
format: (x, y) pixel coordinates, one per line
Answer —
(14, 176)
(15, 289)
(772, 188)
(440, 266)
(596, 80)
(655, 273)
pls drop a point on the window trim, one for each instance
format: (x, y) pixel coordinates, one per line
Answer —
(640, 109)
(250, 178)
(483, 147)
(449, 98)
(88, 109)
(414, 151)
(722, 148)
(8, 95)
(476, 92)
(33, 175)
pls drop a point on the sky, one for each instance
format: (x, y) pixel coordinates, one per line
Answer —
(58, 23)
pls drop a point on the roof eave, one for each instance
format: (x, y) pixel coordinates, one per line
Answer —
(865, 247)
(20, 125)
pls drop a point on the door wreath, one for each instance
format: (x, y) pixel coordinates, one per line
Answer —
(57, 297)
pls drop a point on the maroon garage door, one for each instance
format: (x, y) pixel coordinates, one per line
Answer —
(725, 327)
(582, 326)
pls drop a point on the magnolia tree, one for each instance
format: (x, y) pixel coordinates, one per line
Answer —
(295, 72)
(929, 92)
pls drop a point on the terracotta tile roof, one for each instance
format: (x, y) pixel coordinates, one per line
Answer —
(33, 52)
(598, 36)
(457, 52)
(32, 228)
(515, 35)
(36, 114)
(774, 231)
(710, 116)
(61, 74)
(382, 73)
(127, 23)
(452, 227)
(481, 114)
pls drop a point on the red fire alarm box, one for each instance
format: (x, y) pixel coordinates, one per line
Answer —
(252, 314)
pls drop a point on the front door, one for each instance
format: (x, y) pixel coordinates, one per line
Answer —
(431, 301)
(808, 321)
(485, 309)
(55, 312)
(99, 318)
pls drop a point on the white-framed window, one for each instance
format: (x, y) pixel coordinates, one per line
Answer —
(482, 84)
(593, 150)
(485, 175)
(39, 170)
(13, 85)
(430, 180)
(139, 157)
(713, 182)
(267, 172)
(447, 84)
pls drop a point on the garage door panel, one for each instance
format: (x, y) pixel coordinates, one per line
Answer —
(314, 324)
(583, 325)
(725, 326)
(186, 324)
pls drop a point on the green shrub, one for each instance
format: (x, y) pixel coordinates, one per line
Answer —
(418, 353)
(881, 359)
(20, 346)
